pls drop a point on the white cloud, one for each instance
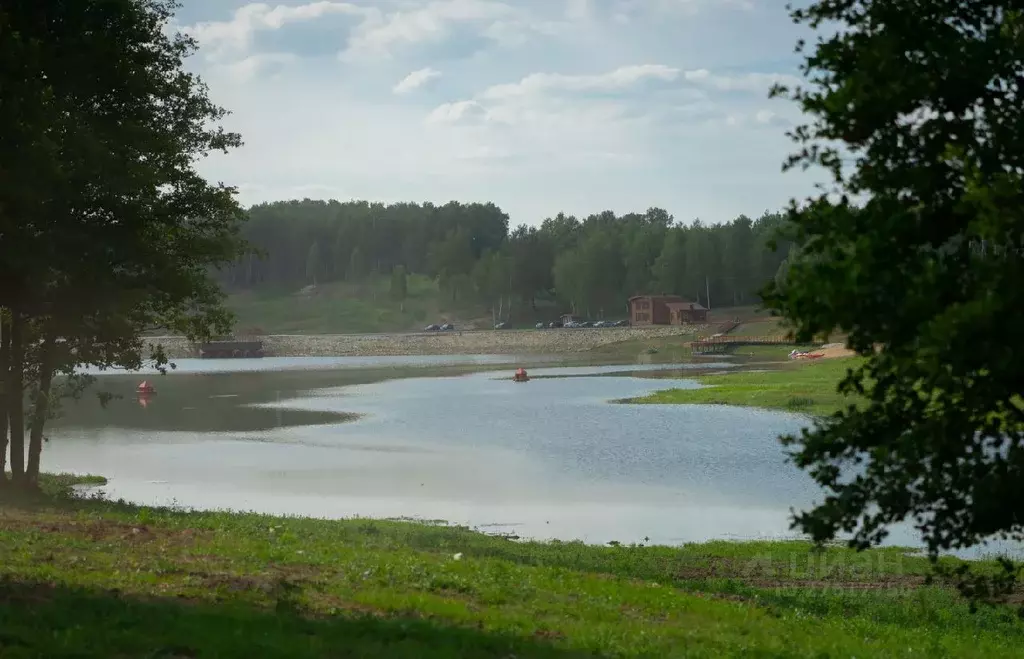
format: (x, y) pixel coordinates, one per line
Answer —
(249, 67)
(692, 6)
(552, 97)
(430, 22)
(415, 80)
(578, 10)
(235, 35)
(620, 78)
(456, 111)
(745, 82)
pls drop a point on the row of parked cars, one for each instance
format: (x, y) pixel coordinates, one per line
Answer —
(584, 323)
(448, 327)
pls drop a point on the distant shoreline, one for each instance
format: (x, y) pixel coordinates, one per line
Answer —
(499, 342)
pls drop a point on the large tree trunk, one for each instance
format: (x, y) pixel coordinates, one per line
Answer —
(5, 376)
(15, 396)
(40, 411)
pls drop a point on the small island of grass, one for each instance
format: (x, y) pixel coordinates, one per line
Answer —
(807, 388)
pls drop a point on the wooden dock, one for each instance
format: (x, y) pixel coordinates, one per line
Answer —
(716, 344)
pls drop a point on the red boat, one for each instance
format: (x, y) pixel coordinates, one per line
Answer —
(520, 375)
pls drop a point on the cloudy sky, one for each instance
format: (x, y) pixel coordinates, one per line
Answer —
(540, 106)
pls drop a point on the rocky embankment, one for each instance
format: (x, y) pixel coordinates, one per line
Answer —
(486, 342)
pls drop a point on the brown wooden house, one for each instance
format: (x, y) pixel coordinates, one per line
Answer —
(683, 313)
(665, 310)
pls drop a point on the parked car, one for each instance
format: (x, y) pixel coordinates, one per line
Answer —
(447, 327)
(540, 325)
(500, 326)
(431, 328)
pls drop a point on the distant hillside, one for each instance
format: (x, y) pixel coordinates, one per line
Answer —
(346, 308)
(368, 307)
(342, 308)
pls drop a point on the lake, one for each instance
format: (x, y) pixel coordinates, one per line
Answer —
(442, 439)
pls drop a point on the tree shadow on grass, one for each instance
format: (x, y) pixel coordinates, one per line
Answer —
(43, 620)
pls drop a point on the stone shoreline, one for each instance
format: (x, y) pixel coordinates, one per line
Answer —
(485, 342)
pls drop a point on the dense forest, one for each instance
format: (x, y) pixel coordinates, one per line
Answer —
(589, 265)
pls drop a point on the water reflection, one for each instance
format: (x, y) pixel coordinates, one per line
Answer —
(322, 363)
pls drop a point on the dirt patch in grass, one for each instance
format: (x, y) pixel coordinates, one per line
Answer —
(99, 529)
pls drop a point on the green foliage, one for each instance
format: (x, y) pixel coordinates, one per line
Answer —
(344, 307)
(915, 110)
(107, 228)
(356, 264)
(313, 263)
(591, 265)
(399, 283)
(125, 581)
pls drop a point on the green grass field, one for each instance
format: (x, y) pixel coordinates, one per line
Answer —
(804, 387)
(343, 308)
(85, 578)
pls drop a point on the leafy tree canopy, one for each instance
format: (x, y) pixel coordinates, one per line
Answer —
(107, 229)
(915, 108)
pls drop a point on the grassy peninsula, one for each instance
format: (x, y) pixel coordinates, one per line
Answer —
(805, 387)
(89, 578)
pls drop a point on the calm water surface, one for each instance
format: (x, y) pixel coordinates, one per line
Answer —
(551, 458)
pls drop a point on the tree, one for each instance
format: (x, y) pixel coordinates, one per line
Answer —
(699, 262)
(399, 283)
(669, 268)
(570, 284)
(339, 254)
(531, 260)
(923, 100)
(356, 265)
(492, 278)
(313, 262)
(452, 260)
(737, 249)
(644, 244)
(108, 230)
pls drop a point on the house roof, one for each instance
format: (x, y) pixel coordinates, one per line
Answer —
(671, 298)
(686, 306)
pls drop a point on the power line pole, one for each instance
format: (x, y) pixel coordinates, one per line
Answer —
(707, 291)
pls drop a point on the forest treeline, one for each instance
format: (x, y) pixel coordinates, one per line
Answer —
(590, 265)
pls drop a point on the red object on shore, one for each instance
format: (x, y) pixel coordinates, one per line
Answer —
(145, 388)
(520, 375)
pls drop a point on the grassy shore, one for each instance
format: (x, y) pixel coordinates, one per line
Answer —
(804, 387)
(98, 579)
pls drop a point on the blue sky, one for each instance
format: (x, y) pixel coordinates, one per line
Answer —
(540, 106)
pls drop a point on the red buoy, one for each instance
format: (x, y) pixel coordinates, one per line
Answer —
(145, 388)
(520, 375)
